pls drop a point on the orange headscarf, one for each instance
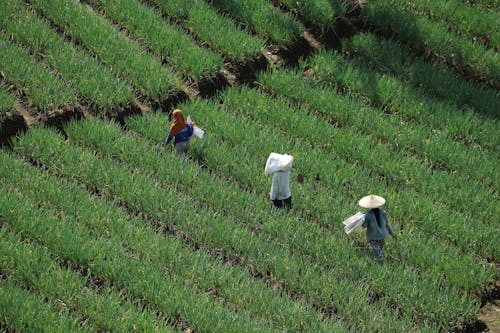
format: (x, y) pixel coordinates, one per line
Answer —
(179, 122)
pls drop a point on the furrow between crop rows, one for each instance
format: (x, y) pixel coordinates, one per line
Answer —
(111, 46)
(293, 272)
(390, 57)
(194, 268)
(103, 308)
(140, 277)
(434, 150)
(95, 82)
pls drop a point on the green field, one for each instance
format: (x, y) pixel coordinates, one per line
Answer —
(103, 228)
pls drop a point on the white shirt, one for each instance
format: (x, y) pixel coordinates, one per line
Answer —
(280, 187)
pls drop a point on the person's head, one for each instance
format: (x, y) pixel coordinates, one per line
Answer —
(371, 201)
(179, 122)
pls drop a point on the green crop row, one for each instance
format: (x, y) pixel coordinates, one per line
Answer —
(195, 268)
(7, 101)
(166, 40)
(212, 27)
(470, 20)
(262, 17)
(101, 307)
(108, 139)
(431, 37)
(42, 87)
(326, 249)
(91, 79)
(387, 92)
(395, 169)
(433, 148)
(22, 311)
(113, 48)
(321, 13)
(391, 57)
(139, 277)
(318, 244)
(290, 272)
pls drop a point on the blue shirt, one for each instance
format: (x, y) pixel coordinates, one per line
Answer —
(182, 136)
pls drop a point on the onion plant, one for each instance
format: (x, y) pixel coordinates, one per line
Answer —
(392, 58)
(139, 278)
(164, 39)
(195, 268)
(99, 307)
(434, 38)
(114, 49)
(44, 89)
(7, 101)
(25, 311)
(212, 27)
(96, 83)
(262, 17)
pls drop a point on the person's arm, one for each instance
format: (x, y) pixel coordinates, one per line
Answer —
(274, 187)
(388, 224)
(168, 139)
(190, 129)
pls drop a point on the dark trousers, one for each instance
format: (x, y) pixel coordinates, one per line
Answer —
(285, 203)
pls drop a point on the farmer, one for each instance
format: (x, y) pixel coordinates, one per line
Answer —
(376, 223)
(181, 131)
(280, 187)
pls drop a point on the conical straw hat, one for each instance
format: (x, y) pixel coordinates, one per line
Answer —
(371, 201)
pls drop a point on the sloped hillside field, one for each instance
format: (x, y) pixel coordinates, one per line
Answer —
(104, 228)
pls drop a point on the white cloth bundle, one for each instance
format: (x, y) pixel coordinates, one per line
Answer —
(278, 162)
(353, 223)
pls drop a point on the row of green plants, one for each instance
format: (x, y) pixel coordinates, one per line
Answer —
(137, 277)
(324, 220)
(260, 253)
(22, 311)
(387, 92)
(329, 250)
(262, 17)
(7, 101)
(472, 21)
(196, 268)
(392, 58)
(96, 83)
(391, 16)
(166, 40)
(396, 169)
(43, 89)
(212, 27)
(97, 307)
(433, 148)
(320, 13)
(101, 38)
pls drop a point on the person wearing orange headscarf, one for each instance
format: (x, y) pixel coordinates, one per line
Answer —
(180, 131)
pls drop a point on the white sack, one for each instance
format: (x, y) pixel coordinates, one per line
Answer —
(353, 223)
(278, 162)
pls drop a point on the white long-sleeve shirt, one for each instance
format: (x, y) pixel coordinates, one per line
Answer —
(280, 186)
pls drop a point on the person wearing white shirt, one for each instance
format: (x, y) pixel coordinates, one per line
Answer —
(280, 187)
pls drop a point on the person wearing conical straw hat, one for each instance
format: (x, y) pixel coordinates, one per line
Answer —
(180, 131)
(280, 194)
(376, 223)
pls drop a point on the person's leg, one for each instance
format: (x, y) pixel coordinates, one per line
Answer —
(287, 203)
(277, 203)
(181, 148)
(378, 246)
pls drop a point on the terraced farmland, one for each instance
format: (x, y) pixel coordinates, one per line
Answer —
(104, 228)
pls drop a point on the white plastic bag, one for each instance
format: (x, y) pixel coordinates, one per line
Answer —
(354, 223)
(278, 162)
(197, 131)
